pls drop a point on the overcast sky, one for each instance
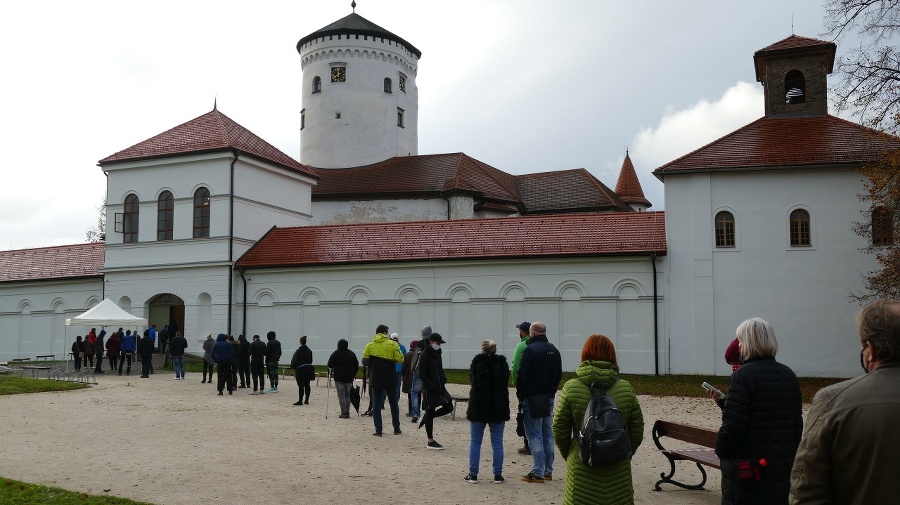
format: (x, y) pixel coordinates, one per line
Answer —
(523, 85)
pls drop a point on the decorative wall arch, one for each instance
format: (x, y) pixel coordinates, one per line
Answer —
(628, 289)
(163, 189)
(409, 293)
(265, 298)
(58, 305)
(460, 288)
(311, 295)
(92, 301)
(25, 307)
(514, 290)
(565, 289)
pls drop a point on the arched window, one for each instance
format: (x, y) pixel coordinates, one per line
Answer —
(800, 229)
(724, 229)
(794, 87)
(201, 213)
(387, 85)
(882, 226)
(317, 84)
(130, 219)
(165, 216)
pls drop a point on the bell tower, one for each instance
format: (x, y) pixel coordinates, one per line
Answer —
(360, 104)
(794, 74)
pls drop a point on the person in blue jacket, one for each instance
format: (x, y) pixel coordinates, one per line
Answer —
(129, 347)
(222, 353)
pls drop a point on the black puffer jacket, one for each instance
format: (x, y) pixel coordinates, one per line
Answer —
(489, 394)
(431, 371)
(344, 362)
(762, 419)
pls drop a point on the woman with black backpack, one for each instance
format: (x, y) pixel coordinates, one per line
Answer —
(609, 483)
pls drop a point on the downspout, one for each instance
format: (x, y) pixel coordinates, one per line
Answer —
(243, 304)
(231, 240)
(655, 320)
(448, 206)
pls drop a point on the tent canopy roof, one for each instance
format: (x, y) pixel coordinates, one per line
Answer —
(106, 313)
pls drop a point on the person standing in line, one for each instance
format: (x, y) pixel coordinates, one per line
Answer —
(273, 355)
(89, 347)
(151, 334)
(244, 362)
(399, 384)
(762, 422)
(345, 365)
(603, 484)
(176, 347)
(145, 351)
(733, 355)
(412, 385)
(113, 347)
(524, 335)
(77, 352)
(382, 355)
(223, 353)
(488, 406)
(235, 361)
(129, 347)
(436, 399)
(540, 371)
(848, 453)
(100, 350)
(164, 339)
(304, 372)
(208, 361)
(257, 362)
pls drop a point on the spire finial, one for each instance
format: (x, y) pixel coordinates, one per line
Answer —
(353, 5)
(215, 101)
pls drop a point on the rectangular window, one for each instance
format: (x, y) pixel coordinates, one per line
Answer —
(402, 83)
(400, 117)
(303, 119)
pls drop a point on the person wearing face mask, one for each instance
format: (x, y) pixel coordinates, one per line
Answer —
(848, 453)
(762, 420)
(436, 399)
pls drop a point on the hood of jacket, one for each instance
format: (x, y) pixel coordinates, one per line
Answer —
(343, 344)
(379, 338)
(222, 337)
(602, 372)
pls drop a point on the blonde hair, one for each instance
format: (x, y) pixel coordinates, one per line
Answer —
(489, 347)
(757, 338)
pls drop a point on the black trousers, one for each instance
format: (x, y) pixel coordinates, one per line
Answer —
(256, 370)
(223, 372)
(145, 364)
(244, 372)
(122, 358)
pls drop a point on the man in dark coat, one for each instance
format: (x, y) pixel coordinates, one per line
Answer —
(145, 351)
(257, 363)
(540, 371)
(100, 348)
(177, 345)
(222, 354)
(273, 355)
(345, 365)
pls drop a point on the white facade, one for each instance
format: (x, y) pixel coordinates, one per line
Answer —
(466, 302)
(802, 291)
(355, 122)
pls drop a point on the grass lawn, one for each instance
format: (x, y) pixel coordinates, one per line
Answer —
(13, 492)
(12, 385)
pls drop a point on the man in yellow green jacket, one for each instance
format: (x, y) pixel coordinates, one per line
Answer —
(382, 355)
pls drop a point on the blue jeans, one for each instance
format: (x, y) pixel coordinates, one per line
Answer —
(378, 397)
(415, 395)
(476, 434)
(540, 438)
(178, 363)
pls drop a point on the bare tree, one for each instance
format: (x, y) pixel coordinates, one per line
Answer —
(97, 233)
(869, 74)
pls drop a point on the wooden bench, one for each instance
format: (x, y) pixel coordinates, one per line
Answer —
(45, 357)
(35, 369)
(20, 360)
(703, 455)
(456, 400)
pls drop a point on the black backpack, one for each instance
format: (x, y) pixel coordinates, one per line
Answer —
(603, 437)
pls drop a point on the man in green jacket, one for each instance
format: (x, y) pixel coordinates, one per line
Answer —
(517, 356)
(382, 355)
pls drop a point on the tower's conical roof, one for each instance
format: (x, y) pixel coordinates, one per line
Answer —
(628, 187)
(358, 25)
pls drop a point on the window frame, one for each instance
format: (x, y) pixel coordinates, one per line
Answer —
(794, 79)
(721, 234)
(401, 84)
(165, 216)
(131, 218)
(316, 84)
(800, 236)
(400, 117)
(201, 211)
(388, 85)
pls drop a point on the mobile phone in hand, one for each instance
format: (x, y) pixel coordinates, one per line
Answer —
(709, 387)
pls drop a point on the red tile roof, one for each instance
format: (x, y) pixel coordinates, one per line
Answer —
(210, 132)
(772, 143)
(794, 45)
(628, 187)
(45, 263)
(570, 235)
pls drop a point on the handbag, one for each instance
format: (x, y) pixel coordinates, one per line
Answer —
(539, 406)
(520, 424)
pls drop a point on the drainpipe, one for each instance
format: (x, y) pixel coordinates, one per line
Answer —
(655, 319)
(243, 304)
(106, 225)
(448, 206)
(231, 240)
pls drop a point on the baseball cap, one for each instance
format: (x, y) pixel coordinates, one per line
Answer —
(524, 326)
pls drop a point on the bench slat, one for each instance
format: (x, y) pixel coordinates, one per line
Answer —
(706, 456)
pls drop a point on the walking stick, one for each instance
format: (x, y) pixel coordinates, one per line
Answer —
(327, 390)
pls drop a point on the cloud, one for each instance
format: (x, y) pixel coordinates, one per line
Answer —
(681, 131)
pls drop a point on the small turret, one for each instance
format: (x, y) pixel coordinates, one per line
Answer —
(628, 187)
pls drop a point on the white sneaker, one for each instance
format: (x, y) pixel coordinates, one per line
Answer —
(254, 393)
(178, 378)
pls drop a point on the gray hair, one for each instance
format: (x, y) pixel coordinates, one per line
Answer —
(757, 338)
(489, 347)
(879, 323)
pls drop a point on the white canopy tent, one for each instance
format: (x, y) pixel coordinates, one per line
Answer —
(106, 313)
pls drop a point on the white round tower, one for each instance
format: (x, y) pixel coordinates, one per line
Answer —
(360, 102)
